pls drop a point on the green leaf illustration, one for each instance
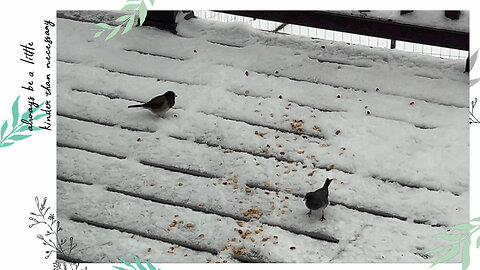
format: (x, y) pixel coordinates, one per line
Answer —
(478, 242)
(150, 266)
(129, 24)
(139, 264)
(26, 127)
(123, 18)
(142, 12)
(478, 218)
(19, 137)
(113, 33)
(130, 7)
(466, 254)
(449, 237)
(26, 114)
(39, 116)
(126, 263)
(440, 249)
(463, 227)
(15, 112)
(4, 128)
(450, 254)
(99, 33)
(6, 144)
(104, 26)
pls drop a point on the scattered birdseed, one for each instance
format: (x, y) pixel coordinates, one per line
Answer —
(252, 212)
(240, 251)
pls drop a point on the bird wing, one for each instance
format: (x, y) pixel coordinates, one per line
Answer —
(156, 102)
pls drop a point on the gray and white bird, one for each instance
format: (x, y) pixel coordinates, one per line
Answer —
(318, 199)
(159, 104)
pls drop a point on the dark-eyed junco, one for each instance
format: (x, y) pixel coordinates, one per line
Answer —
(318, 199)
(160, 104)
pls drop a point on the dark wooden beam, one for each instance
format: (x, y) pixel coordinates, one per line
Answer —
(364, 26)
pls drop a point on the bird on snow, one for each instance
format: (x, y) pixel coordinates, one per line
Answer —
(318, 199)
(159, 104)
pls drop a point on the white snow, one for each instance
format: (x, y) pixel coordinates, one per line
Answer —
(400, 150)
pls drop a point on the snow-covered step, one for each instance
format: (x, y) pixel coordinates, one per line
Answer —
(303, 102)
(260, 59)
(242, 35)
(262, 152)
(233, 198)
(323, 50)
(409, 156)
(324, 98)
(271, 77)
(347, 163)
(390, 228)
(97, 207)
(297, 64)
(348, 189)
(95, 244)
(233, 57)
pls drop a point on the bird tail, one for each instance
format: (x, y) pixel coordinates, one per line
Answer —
(135, 106)
(327, 183)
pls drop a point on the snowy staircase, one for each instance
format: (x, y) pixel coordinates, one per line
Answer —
(222, 178)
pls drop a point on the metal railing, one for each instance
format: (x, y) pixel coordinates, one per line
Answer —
(325, 34)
